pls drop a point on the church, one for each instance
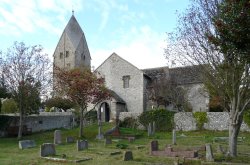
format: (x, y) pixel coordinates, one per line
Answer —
(128, 85)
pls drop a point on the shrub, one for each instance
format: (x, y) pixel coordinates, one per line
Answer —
(128, 122)
(91, 115)
(246, 117)
(5, 121)
(163, 119)
(9, 106)
(59, 103)
(201, 119)
(121, 146)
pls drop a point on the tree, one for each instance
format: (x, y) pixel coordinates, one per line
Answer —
(81, 86)
(165, 91)
(9, 106)
(215, 35)
(26, 71)
(59, 102)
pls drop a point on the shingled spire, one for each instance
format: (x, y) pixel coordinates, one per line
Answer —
(72, 49)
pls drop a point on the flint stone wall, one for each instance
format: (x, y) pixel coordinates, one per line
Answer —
(46, 121)
(185, 121)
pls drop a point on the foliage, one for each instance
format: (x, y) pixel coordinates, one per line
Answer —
(165, 91)
(59, 102)
(26, 72)
(214, 34)
(246, 117)
(82, 87)
(4, 121)
(163, 119)
(121, 146)
(91, 115)
(216, 104)
(129, 122)
(9, 106)
(201, 119)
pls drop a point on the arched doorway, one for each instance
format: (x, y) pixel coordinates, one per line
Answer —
(104, 112)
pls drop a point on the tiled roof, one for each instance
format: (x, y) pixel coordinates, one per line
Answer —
(180, 75)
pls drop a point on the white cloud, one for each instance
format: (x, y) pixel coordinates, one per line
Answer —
(35, 15)
(146, 50)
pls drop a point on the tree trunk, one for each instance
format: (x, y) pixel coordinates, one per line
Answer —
(81, 123)
(234, 129)
(20, 130)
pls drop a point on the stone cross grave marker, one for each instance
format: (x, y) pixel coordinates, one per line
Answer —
(26, 144)
(70, 139)
(47, 149)
(57, 137)
(128, 155)
(209, 153)
(81, 145)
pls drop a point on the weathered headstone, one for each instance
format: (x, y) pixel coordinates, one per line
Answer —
(153, 128)
(108, 140)
(70, 139)
(47, 149)
(81, 145)
(221, 150)
(131, 139)
(57, 137)
(209, 153)
(100, 134)
(149, 129)
(128, 155)
(26, 144)
(153, 146)
(174, 137)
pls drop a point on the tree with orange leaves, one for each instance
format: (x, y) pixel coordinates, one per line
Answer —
(81, 86)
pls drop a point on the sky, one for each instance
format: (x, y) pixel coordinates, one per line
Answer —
(133, 29)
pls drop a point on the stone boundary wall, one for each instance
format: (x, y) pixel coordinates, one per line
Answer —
(185, 121)
(46, 121)
(123, 115)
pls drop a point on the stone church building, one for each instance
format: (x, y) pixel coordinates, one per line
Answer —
(128, 85)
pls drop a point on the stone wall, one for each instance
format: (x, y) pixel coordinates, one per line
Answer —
(123, 115)
(47, 121)
(185, 121)
(113, 69)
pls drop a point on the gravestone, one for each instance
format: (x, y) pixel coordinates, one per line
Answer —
(108, 140)
(149, 129)
(47, 149)
(81, 145)
(70, 139)
(153, 146)
(57, 137)
(26, 144)
(209, 153)
(174, 137)
(128, 155)
(153, 128)
(100, 134)
(221, 150)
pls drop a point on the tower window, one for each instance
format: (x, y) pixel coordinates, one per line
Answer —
(126, 81)
(61, 55)
(83, 56)
(67, 54)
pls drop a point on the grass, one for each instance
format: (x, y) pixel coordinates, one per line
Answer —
(10, 154)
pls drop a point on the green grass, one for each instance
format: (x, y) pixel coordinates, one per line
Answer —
(10, 153)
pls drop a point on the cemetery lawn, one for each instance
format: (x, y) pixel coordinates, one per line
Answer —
(102, 154)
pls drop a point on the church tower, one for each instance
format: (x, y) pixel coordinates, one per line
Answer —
(72, 49)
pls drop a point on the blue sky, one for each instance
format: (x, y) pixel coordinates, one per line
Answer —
(134, 29)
